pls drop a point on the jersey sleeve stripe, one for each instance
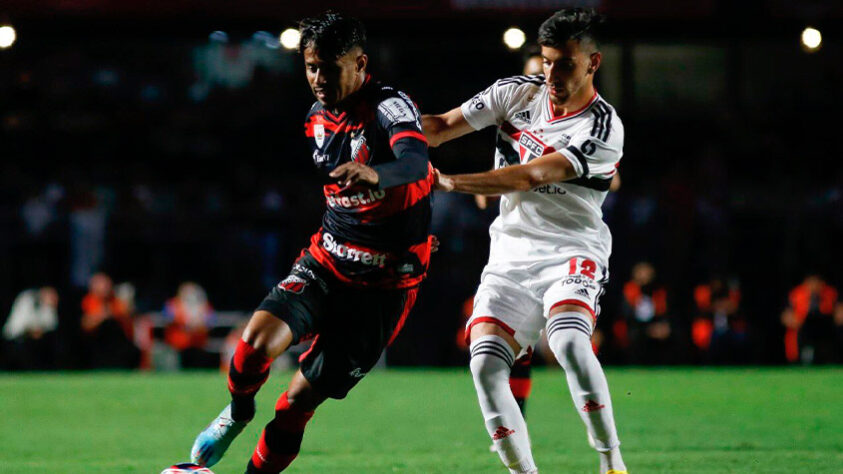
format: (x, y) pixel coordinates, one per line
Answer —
(406, 134)
(596, 128)
(580, 158)
(607, 121)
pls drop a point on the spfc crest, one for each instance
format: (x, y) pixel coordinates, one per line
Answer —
(319, 134)
(530, 147)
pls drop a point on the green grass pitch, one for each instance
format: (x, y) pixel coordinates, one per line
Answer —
(427, 421)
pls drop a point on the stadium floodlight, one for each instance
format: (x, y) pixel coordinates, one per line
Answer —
(7, 36)
(514, 38)
(812, 39)
(290, 38)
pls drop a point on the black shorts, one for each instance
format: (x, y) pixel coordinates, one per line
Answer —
(351, 326)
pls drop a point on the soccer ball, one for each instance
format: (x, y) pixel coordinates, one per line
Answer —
(186, 468)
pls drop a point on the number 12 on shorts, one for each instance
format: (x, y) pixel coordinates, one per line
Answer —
(586, 267)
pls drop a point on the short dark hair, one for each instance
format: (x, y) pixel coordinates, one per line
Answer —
(332, 33)
(578, 24)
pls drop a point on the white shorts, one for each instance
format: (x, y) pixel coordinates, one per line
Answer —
(519, 299)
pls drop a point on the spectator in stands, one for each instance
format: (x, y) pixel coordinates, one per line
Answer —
(646, 328)
(812, 320)
(30, 330)
(107, 326)
(189, 316)
(719, 329)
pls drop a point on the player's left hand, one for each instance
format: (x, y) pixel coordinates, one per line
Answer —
(351, 173)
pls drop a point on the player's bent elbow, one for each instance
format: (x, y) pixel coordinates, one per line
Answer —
(533, 179)
(433, 128)
(433, 140)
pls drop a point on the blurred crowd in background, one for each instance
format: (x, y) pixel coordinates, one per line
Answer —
(176, 166)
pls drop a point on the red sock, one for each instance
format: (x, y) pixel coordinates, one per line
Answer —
(520, 382)
(249, 370)
(280, 440)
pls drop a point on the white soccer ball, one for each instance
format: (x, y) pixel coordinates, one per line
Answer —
(186, 468)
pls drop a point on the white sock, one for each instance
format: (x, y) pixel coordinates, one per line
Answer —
(491, 361)
(569, 337)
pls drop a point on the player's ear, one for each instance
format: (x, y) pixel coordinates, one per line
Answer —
(594, 62)
(362, 61)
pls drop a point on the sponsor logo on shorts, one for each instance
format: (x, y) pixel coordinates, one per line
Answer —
(502, 432)
(579, 280)
(582, 292)
(351, 254)
(293, 284)
(357, 373)
(357, 200)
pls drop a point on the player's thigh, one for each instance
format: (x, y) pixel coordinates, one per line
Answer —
(292, 311)
(360, 325)
(492, 329)
(267, 333)
(301, 393)
(507, 309)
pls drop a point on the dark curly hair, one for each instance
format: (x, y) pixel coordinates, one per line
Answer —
(578, 24)
(332, 33)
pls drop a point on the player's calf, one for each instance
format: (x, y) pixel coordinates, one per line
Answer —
(281, 439)
(491, 361)
(264, 339)
(569, 337)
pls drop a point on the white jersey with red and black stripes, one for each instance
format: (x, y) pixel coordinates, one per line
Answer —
(558, 221)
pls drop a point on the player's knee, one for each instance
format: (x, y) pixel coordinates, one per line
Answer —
(302, 396)
(267, 334)
(491, 357)
(302, 400)
(569, 344)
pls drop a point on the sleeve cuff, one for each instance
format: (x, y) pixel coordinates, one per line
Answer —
(472, 120)
(577, 159)
(406, 134)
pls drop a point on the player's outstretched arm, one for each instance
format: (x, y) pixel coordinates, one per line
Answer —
(441, 128)
(546, 169)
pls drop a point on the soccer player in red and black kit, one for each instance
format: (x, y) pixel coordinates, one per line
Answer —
(353, 287)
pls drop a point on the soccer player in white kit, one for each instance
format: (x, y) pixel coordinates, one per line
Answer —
(558, 147)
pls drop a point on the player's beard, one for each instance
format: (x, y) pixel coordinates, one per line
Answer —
(559, 95)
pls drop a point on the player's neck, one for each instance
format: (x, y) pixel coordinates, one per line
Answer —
(348, 102)
(577, 101)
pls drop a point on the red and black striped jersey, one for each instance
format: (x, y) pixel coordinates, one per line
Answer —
(373, 236)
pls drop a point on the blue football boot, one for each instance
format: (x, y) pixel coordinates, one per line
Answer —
(214, 440)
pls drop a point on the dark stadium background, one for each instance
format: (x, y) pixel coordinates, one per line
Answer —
(732, 161)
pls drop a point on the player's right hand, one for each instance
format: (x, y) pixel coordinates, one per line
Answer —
(442, 182)
(434, 243)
